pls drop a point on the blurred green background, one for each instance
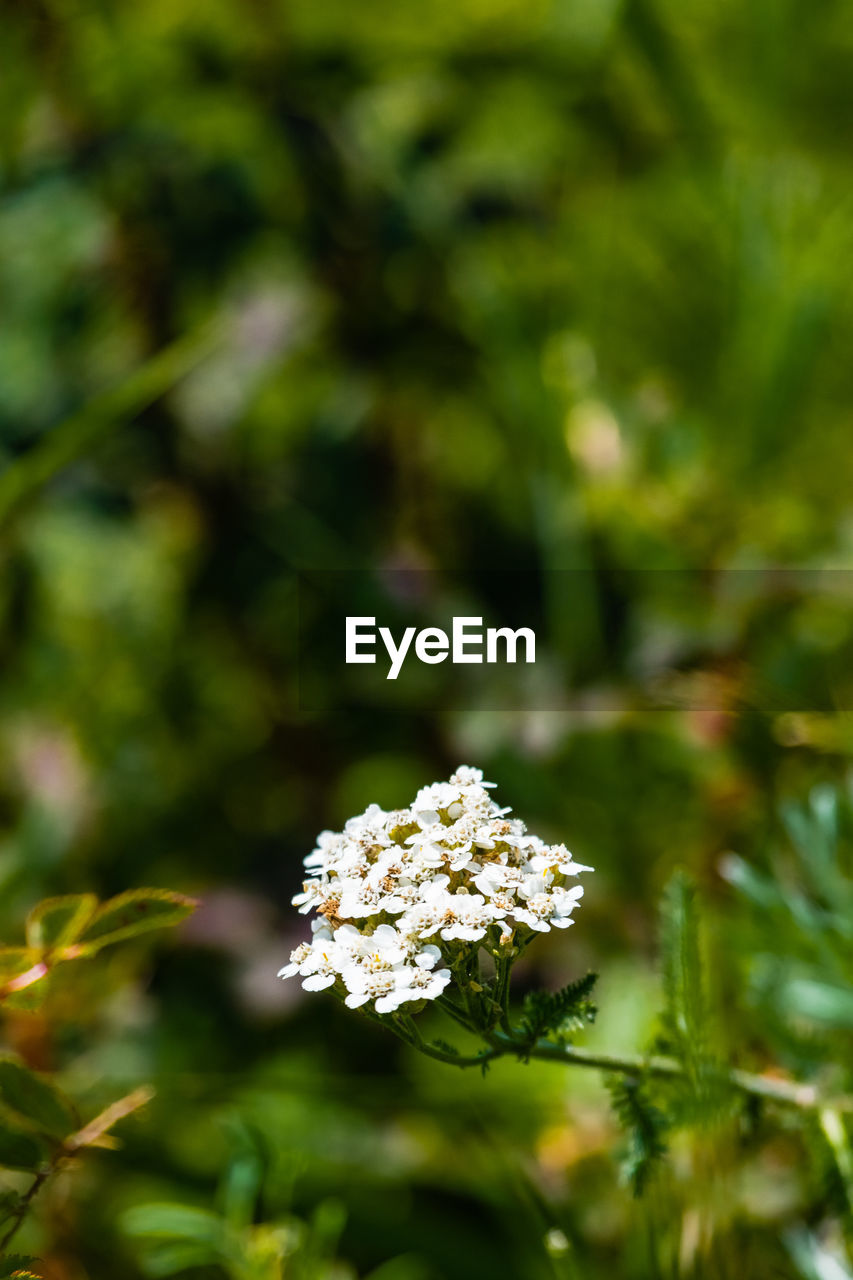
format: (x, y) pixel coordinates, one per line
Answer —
(469, 288)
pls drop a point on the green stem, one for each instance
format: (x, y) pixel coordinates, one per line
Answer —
(502, 991)
(394, 1026)
(455, 1059)
(457, 1014)
(792, 1093)
(72, 439)
(462, 976)
(788, 1092)
(404, 1029)
(509, 1041)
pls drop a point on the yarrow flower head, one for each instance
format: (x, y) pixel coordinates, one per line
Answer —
(405, 902)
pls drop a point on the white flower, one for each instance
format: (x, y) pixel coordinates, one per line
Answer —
(461, 858)
(320, 968)
(466, 776)
(543, 909)
(297, 959)
(381, 952)
(557, 858)
(416, 984)
(496, 877)
(427, 958)
(311, 897)
(366, 986)
(382, 949)
(425, 846)
(466, 916)
(359, 901)
(425, 917)
(400, 897)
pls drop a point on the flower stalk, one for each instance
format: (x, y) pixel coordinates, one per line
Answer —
(511, 1042)
(792, 1093)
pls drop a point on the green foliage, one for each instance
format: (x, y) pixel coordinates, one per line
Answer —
(18, 1267)
(499, 282)
(444, 1046)
(130, 914)
(179, 1237)
(39, 1126)
(35, 1119)
(175, 1238)
(77, 926)
(57, 922)
(46, 1112)
(559, 1013)
(36, 1100)
(688, 1019)
(22, 975)
(685, 1014)
(10, 1203)
(20, 1150)
(645, 1127)
(804, 981)
(21, 484)
(814, 1259)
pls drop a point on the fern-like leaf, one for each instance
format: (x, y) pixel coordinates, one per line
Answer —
(685, 1014)
(559, 1013)
(645, 1127)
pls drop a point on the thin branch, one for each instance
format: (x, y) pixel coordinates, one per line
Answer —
(455, 1059)
(503, 973)
(23, 980)
(788, 1092)
(459, 1059)
(509, 1041)
(458, 1015)
(23, 1206)
(71, 439)
(90, 1135)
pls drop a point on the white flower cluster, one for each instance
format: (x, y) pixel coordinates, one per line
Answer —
(400, 896)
